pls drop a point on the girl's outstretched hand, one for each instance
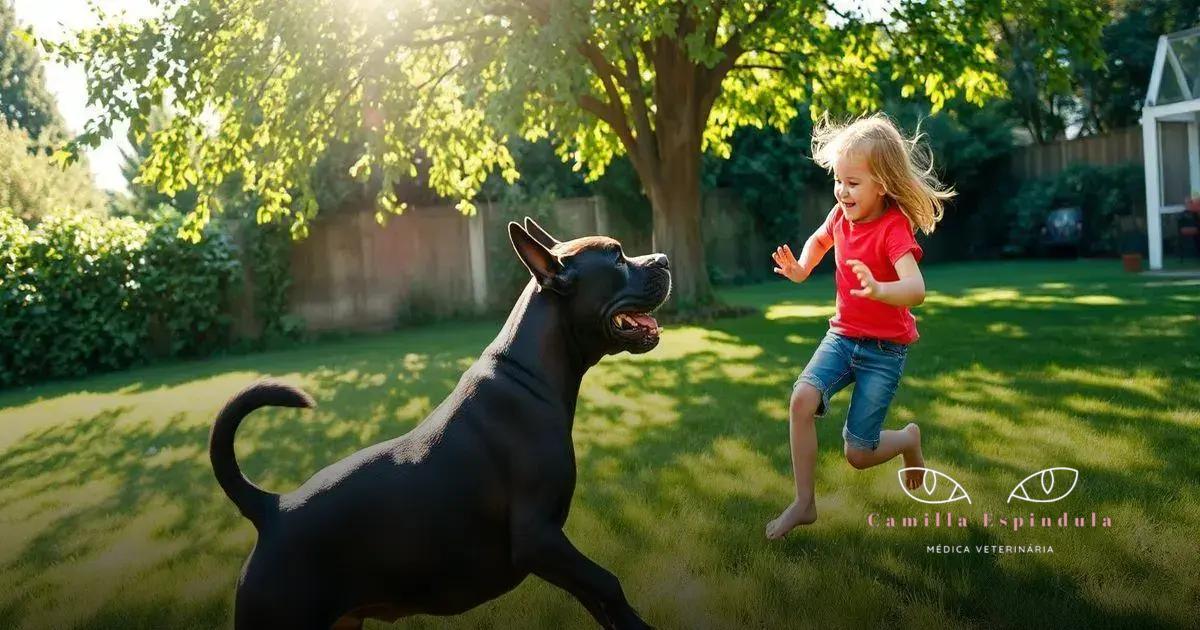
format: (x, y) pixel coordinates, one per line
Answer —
(870, 288)
(787, 265)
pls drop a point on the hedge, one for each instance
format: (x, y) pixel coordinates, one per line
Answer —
(83, 294)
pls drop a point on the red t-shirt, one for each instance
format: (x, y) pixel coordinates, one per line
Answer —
(878, 244)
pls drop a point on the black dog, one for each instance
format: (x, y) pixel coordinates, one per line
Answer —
(462, 508)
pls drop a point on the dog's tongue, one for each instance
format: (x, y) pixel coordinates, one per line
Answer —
(644, 319)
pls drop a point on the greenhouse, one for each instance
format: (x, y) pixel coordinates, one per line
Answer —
(1172, 161)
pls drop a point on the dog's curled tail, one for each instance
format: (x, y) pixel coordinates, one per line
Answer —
(252, 501)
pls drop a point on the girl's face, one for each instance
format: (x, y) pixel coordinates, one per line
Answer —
(860, 196)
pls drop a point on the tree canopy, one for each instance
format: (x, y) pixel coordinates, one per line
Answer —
(264, 85)
(436, 89)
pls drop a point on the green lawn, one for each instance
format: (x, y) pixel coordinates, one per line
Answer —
(110, 517)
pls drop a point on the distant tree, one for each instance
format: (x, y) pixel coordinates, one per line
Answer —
(33, 184)
(1111, 95)
(142, 200)
(1094, 89)
(1042, 76)
(24, 100)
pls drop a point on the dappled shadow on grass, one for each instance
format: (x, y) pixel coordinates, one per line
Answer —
(683, 457)
(113, 508)
(173, 373)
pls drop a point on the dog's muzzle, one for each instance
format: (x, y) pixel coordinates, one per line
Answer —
(630, 322)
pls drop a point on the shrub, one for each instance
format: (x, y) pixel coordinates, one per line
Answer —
(186, 286)
(81, 293)
(1103, 193)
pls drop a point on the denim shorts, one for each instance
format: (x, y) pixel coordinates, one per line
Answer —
(874, 365)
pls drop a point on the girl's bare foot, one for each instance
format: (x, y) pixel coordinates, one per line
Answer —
(795, 514)
(914, 459)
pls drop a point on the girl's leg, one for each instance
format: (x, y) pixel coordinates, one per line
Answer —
(802, 432)
(877, 375)
(906, 442)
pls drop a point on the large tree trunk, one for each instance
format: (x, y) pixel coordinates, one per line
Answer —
(672, 179)
(675, 199)
(664, 141)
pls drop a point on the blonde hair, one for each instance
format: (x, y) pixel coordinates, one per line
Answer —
(903, 166)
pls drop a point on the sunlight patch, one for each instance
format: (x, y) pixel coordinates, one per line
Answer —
(1099, 300)
(799, 311)
(1004, 329)
(687, 340)
(1139, 381)
(730, 467)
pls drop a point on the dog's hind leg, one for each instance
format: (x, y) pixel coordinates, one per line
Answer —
(267, 601)
(293, 617)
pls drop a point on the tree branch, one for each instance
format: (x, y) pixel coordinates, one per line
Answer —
(710, 36)
(607, 73)
(760, 66)
(710, 81)
(611, 112)
(632, 79)
(616, 120)
(456, 37)
(436, 81)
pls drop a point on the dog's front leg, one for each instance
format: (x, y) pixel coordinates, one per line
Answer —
(547, 552)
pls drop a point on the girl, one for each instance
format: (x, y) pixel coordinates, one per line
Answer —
(885, 188)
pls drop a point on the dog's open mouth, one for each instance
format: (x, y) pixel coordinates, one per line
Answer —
(637, 330)
(640, 324)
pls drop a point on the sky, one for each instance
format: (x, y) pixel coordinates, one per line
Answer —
(56, 19)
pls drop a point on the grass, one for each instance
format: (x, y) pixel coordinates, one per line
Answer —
(110, 517)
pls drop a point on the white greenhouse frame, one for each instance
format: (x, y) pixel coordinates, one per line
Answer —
(1182, 107)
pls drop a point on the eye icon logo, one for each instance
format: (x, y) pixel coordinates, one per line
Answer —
(1046, 481)
(930, 485)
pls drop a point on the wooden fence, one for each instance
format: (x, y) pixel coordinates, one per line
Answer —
(1123, 146)
(352, 273)
(1036, 161)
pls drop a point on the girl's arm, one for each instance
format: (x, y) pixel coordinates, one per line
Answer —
(909, 290)
(814, 250)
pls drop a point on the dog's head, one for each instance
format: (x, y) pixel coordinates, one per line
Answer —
(609, 297)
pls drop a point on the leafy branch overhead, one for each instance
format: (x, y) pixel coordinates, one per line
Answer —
(437, 87)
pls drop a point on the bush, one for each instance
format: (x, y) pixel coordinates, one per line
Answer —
(1103, 193)
(268, 247)
(82, 294)
(186, 286)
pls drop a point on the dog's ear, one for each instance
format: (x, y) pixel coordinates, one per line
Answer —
(542, 236)
(547, 270)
